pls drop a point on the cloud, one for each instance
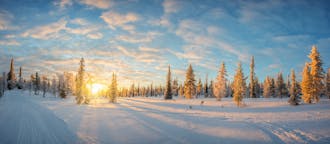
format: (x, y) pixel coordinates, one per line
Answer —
(63, 3)
(95, 35)
(148, 49)
(9, 42)
(46, 31)
(171, 6)
(102, 4)
(114, 19)
(79, 21)
(6, 21)
(82, 30)
(138, 37)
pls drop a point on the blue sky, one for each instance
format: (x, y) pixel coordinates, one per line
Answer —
(137, 39)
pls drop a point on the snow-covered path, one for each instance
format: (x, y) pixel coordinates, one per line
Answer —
(23, 121)
(153, 120)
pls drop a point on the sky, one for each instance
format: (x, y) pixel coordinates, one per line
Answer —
(138, 39)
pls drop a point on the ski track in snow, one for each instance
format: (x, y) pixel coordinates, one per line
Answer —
(33, 119)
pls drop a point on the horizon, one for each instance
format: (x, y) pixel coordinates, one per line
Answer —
(138, 39)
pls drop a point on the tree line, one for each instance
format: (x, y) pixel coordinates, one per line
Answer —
(314, 83)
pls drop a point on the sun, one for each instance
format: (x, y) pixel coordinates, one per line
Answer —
(96, 87)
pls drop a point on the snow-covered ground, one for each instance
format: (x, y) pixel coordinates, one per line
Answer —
(33, 119)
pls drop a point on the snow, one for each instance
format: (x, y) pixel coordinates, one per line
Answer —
(33, 119)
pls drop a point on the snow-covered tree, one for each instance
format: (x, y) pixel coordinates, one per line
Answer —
(44, 85)
(280, 87)
(306, 85)
(239, 85)
(80, 83)
(181, 91)
(316, 73)
(37, 84)
(328, 84)
(20, 84)
(199, 88)
(253, 83)
(189, 84)
(11, 77)
(294, 95)
(220, 85)
(168, 89)
(206, 87)
(267, 87)
(211, 90)
(175, 87)
(113, 89)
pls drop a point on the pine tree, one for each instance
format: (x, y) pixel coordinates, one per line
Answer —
(272, 87)
(280, 87)
(220, 86)
(267, 87)
(211, 89)
(175, 87)
(206, 88)
(168, 89)
(189, 85)
(294, 97)
(317, 74)
(199, 87)
(20, 84)
(328, 84)
(62, 92)
(181, 92)
(44, 86)
(11, 77)
(80, 82)
(252, 85)
(113, 89)
(239, 85)
(37, 84)
(306, 85)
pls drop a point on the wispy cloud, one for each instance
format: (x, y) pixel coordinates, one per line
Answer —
(138, 37)
(114, 19)
(63, 3)
(10, 42)
(102, 4)
(95, 35)
(6, 21)
(46, 31)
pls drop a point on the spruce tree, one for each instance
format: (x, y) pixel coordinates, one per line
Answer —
(306, 85)
(220, 86)
(168, 89)
(113, 89)
(206, 88)
(294, 95)
(328, 84)
(80, 82)
(189, 84)
(199, 87)
(20, 84)
(11, 77)
(211, 89)
(316, 73)
(37, 84)
(239, 85)
(175, 87)
(252, 85)
(280, 87)
(267, 87)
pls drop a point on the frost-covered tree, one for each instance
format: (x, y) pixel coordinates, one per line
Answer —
(272, 87)
(220, 85)
(199, 88)
(294, 94)
(80, 83)
(206, 87)
(280, 87)
(181, 92)
(11, 77)
(267, 87)
(37, 84)
(211, 89)
(20, 84)
(44, 86)
(175, 87)
(168, 89)
(253, 83)
(113, 89)
(239, 85)
(189, 84)
(316, 73)
(53, 86)
(306, 85)
(328, 84)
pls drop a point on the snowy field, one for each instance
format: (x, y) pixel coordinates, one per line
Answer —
(36, 120)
